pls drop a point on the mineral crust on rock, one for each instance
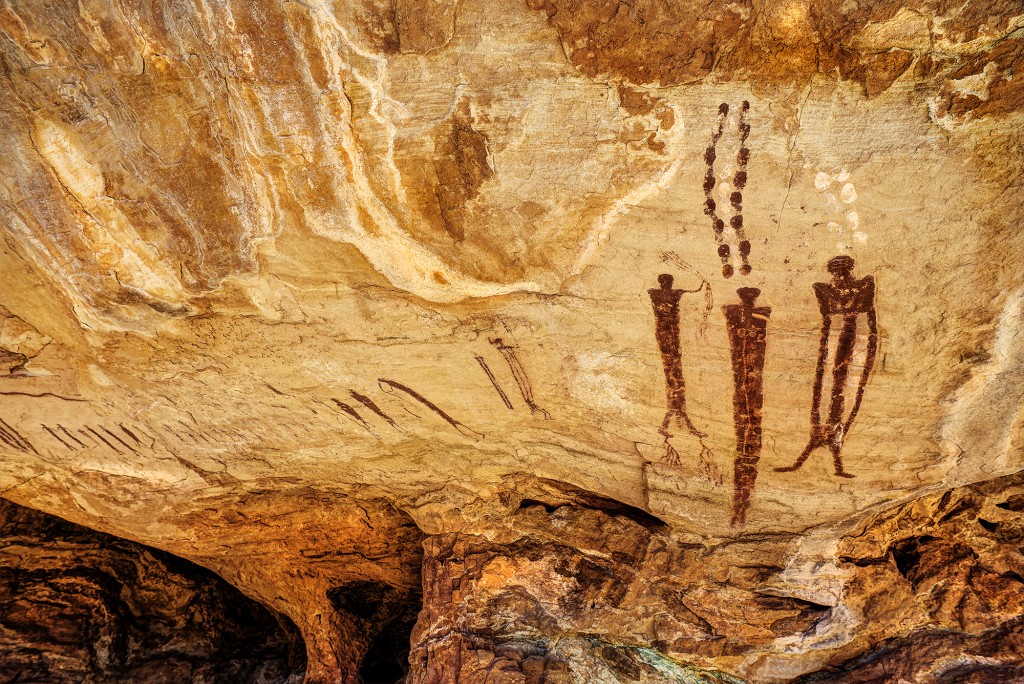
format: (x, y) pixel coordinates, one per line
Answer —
(542, 340)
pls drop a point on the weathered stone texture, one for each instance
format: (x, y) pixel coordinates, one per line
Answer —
(603, 341)
(78, 605)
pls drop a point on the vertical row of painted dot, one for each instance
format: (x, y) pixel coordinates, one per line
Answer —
(738, 234)
(841, 202)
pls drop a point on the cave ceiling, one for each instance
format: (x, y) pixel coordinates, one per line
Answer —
(321, 293)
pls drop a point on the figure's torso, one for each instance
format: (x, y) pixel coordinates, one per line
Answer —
(857, 296)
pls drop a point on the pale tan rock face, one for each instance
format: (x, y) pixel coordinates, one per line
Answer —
(299, 290)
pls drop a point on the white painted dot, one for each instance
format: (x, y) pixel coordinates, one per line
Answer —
(860, 236)
(834, 227)
(854, 219)
(843, 176)
(848, 193)
(822, 181)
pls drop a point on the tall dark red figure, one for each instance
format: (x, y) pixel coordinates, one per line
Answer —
(848, 301)
(665, 301)
(748, 326)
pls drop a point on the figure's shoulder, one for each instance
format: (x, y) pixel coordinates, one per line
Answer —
(661, 295)
(823, 292)
(865, 288)
(865, 293)
(732, 311)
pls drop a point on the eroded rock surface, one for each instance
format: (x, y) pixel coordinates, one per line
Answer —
(602, 341)
(930, 591)
(79, 605)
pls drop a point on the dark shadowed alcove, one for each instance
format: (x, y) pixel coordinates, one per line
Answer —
(79, 605)
(385, 616)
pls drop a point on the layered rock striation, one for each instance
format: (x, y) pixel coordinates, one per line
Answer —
(557, 340)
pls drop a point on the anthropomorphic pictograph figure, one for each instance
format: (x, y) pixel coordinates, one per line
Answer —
(850, 303)
(665, 300)
(519, 374)
(747, 326)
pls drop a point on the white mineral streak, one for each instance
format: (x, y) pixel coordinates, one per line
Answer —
(906, 30)
(954, 44)
(812, 574)
(406, 263)
(601, 230)
(981, 431)
(114, 243)
(976, 84)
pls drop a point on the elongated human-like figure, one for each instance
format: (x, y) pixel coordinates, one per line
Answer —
(519, 375)
(748, 327)
(846, 301)
(665, 300)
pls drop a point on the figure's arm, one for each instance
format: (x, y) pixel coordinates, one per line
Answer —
(872, 352)
(822, 293)
(819, 373)
(699, 288)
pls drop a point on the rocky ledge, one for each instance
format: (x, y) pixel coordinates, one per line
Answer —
(522, 341)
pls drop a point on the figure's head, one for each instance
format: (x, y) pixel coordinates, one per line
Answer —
(748, 295)
(665, 280)
(841, 267)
